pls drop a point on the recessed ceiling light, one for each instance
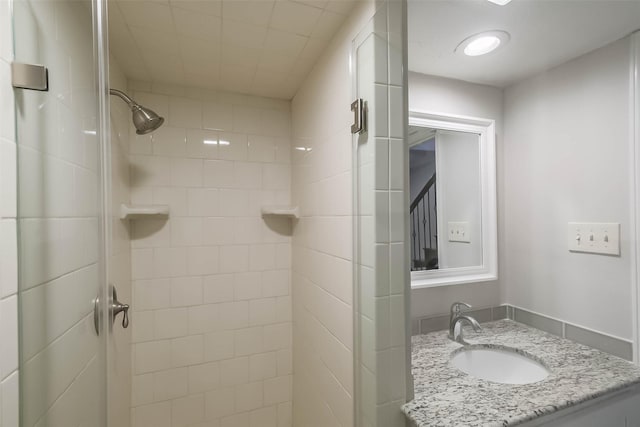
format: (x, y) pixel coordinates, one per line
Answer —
(500, 2)
(483, 43)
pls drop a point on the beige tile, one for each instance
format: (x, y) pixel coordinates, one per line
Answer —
(218, 288)
(187, 351)
(170, 323)
(295, 17)
(285, 414)
(203, 260)
(218, 346)
(277, 337)
(263, 366)
(170, 384)
(155, 415)
(203, 201)
(238, 420)
(204, 377)
(264, 417)
(170, 262)
(204, 318)
(186, 291)
(234, 315)
(217, 116)
(248, 341)
(234, 371)
(219, 403)
(277, 390)
(284, 362)
(188, 410)
(184, 112)
(249, 396)
(247, 286)
(152, 356)
(234, 258)
(262, 311)
(142, 389)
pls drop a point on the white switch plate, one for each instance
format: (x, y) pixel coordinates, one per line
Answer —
(595, 238)
(459, 232)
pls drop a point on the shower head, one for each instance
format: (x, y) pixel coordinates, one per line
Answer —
(144, 119)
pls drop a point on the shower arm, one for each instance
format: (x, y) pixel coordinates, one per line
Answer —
(130, 102)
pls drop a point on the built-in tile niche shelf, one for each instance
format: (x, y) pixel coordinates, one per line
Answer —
(283, 211)
(143, 211)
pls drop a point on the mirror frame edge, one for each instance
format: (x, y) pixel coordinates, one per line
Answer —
(488, 270)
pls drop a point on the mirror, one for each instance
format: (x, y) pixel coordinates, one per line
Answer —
(452, 211)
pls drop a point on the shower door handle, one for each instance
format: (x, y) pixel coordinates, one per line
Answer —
(359, 119)
(115, 308)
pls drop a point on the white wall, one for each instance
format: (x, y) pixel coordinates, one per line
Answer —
(211, 300)
(459, 198)
(119, 343)
(8, 243)
(440, 95)
(566, 159)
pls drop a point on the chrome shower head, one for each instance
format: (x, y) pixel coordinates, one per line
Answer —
(144, 119)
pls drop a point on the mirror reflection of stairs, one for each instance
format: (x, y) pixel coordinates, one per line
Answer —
(423, 232)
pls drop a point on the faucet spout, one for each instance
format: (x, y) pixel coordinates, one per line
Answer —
(458, 318)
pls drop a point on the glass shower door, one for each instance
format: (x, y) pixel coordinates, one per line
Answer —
(60, 219)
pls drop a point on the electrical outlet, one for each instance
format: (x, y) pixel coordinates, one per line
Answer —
(459, 232)
(596, 238)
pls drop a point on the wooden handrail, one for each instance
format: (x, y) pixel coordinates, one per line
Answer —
(422, 192)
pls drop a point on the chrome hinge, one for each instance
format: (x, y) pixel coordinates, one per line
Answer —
(359, 119)
(29, 76)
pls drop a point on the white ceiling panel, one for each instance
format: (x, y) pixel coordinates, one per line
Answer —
(261, 47)
(544, 34)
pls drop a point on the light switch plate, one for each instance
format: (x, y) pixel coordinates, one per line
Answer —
(595, 238)
(459, 232)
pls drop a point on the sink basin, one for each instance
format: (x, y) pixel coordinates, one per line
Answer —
(501, 365)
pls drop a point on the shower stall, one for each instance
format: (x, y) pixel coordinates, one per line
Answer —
(259, 299)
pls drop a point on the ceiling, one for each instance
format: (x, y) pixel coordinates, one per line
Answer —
(260, 47)
(544, 34)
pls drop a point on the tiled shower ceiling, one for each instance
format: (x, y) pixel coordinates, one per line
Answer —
(259, 47)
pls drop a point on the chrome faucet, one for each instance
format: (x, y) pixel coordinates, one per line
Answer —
(457, 317)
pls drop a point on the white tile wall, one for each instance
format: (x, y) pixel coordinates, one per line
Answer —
(211, 294)
(382, 219)
(322, 247)
(8, 244)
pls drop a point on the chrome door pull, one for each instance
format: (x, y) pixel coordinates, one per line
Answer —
(359, 118)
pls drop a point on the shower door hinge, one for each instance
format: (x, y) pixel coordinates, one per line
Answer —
(359, 119)
(29, 76)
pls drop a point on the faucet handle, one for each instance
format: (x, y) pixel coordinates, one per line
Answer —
(459, 307)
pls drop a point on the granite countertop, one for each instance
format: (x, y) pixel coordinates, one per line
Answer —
(445, 396)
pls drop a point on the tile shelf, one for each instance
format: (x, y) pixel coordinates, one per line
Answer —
(143, 211)
(284, 211)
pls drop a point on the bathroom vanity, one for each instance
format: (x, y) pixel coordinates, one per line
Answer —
(584, 387)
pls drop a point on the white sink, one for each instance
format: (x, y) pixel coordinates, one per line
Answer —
(500, 365)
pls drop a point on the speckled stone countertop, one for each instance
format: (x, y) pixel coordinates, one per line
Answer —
(445, 396)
